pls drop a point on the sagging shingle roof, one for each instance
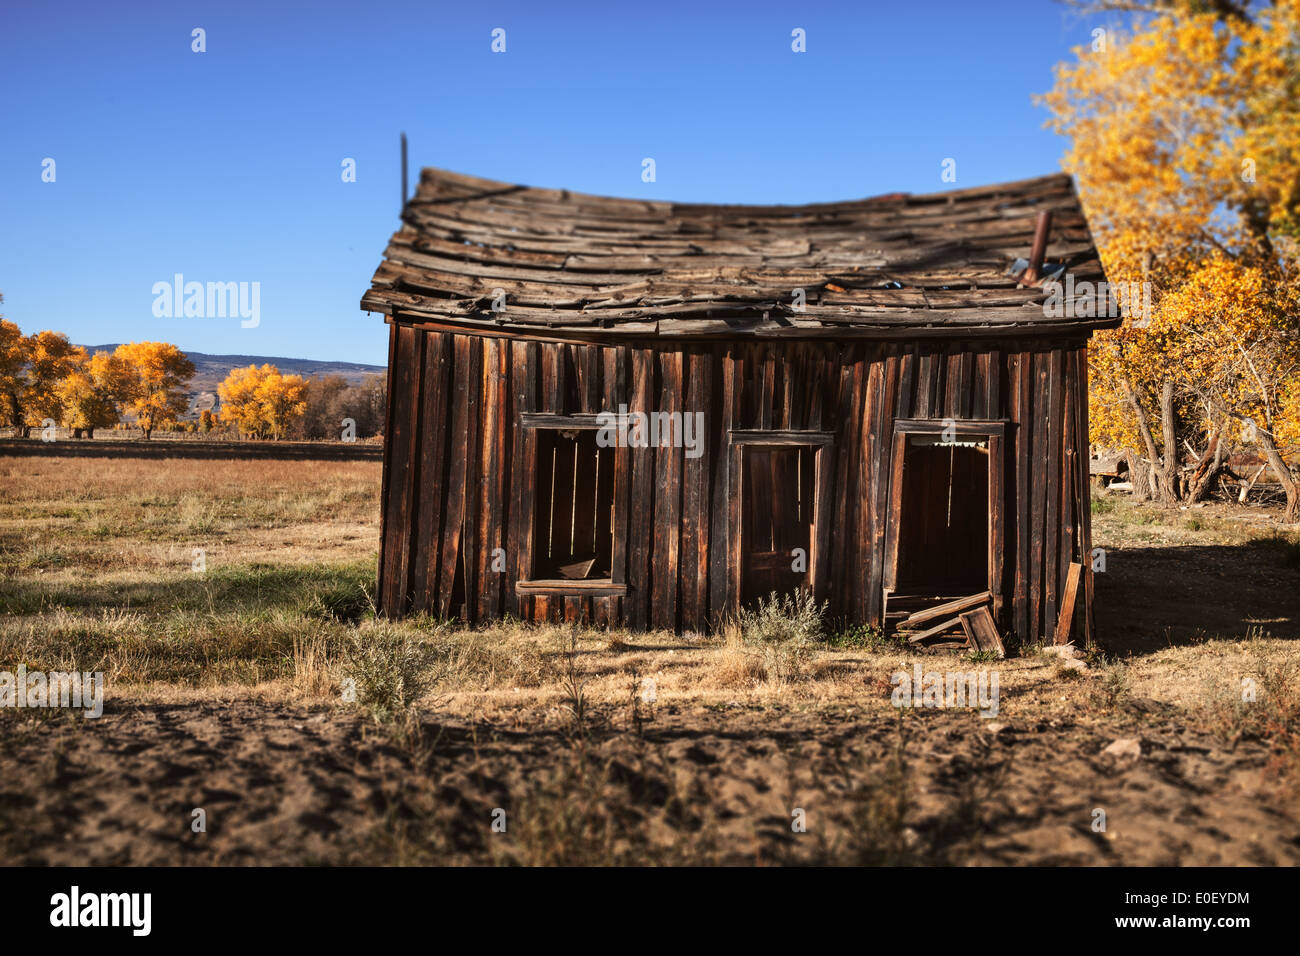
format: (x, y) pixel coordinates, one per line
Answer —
(574, 263)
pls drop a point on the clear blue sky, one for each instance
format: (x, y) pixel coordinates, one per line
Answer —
(225, 165)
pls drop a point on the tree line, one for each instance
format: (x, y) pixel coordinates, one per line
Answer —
(45, 379)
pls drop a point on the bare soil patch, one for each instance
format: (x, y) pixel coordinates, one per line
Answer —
(294, 784)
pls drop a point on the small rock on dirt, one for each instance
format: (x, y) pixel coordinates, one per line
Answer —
(1125, 749)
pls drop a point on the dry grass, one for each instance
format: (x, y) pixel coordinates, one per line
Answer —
(96, 555)
(123, 519)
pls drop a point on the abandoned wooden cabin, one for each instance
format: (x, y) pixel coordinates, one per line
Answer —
(871, 400)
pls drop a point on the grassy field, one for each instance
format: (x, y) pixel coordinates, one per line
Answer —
(230, 690)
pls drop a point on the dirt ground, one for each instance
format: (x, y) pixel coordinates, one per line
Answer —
(283, 784)
(537, 746)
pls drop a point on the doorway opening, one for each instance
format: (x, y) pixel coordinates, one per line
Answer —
(943, 517)
(777, 519)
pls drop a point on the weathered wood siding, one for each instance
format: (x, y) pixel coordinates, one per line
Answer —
(455, 459)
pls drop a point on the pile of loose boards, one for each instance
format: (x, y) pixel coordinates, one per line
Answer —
(962, 623)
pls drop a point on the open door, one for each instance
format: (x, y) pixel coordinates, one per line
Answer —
(944, 529)
(777, 520)
(943, 525)
(778, 528)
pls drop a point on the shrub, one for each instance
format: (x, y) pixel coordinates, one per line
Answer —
(783, 619)
(773, 641)
(391, 671)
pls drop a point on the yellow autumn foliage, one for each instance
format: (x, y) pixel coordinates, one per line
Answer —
(261, 401)
(92, 392)
(1184, 137)
(159, 373)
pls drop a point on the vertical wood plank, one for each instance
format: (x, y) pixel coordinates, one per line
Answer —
(615, 397)
(980, 384)
(997, 526)
(993, 384)
(867, 413)
(665, 565)
(843, 552)
(494, 456)
(401, 487)
(1069, 480)
(471, 541)
(964, 361)
(637, 601)
(386, 531)
(695, 498)
(724, 401)
(881, 442)
(1038, 489)
(894, 514)
(458, 444)
(906, 383)
(433, 468)
(925, 383)
(1083, 439)
(523, 394)
(1052, 478)
(1023, 492)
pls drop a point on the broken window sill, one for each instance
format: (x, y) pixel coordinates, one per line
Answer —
(591, 587)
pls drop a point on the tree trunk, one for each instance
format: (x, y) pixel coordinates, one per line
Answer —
(1208, 468)
(1289, 483)
(1168, 470)
(1163, 472)
(1139, 475)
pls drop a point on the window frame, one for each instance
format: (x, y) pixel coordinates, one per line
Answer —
(527, 585)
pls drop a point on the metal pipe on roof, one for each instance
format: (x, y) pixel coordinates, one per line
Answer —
(1039, 249)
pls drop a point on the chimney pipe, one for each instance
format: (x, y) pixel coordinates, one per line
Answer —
(1041, 230)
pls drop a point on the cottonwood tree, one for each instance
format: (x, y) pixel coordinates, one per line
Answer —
(50, 359)
(13, 375)
(1238, 352)
(31, 370)
(1185, 142)
(92, 393)
(262, 402)
(158, 376)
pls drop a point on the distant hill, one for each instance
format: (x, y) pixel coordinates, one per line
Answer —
(211, 370)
